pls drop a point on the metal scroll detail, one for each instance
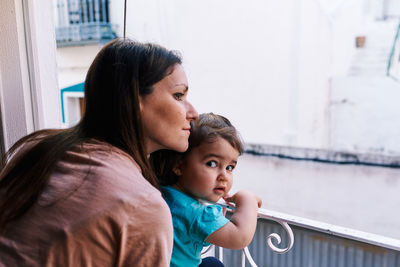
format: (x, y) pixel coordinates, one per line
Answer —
(271, 239)
(277, 239)
(246, 254)
(274, 237)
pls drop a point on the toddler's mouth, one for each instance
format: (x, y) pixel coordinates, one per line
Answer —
(219, 190)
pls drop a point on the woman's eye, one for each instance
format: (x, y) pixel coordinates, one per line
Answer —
(230, 168)
(211, 164)
(178, 96)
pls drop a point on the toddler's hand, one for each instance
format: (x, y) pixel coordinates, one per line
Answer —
(243, 196)
(224, 210)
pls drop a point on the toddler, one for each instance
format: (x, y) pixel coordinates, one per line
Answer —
(205, 173)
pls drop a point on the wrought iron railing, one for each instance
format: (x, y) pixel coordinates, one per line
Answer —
(84, 33)
(80, 22)
(273, 237)
(317, 244)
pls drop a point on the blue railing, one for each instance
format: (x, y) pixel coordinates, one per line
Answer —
(80, 22)
(84, 33)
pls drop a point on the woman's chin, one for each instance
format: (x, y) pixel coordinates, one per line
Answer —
(180, 148)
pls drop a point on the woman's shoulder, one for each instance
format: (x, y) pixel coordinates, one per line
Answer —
(100, 159)
(98, 173)
(115, 168)
(111, 163)
(103, 152)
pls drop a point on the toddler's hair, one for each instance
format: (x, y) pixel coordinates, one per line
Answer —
(206, 129)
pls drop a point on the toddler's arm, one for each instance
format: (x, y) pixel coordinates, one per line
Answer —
(239, 232)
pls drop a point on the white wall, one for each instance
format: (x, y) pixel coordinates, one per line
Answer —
(73, 63)
(366, 115)
(264, 64)
(349, 20)
(393, 8)
(268, 66)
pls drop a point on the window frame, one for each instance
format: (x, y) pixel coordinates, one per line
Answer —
(29, 93)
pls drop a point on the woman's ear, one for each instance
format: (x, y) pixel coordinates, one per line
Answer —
(140, 103)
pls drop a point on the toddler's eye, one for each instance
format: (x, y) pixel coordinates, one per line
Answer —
(230, 167)
(178, 96)
(211, 163)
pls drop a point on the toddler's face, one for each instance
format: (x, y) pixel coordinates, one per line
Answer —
(206, 171)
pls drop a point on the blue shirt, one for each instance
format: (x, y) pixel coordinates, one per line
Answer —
(193, 223)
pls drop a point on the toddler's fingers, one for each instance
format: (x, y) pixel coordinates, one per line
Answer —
(227, 195)
(259, 201)
(228, 199)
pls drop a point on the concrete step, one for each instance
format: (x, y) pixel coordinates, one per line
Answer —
(372, 59)
(371, 64)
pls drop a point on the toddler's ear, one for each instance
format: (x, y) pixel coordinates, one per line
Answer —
(177, 169)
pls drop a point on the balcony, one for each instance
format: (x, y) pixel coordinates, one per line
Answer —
(316, 244)
(84, 33)
(356, 192)
(82, 22)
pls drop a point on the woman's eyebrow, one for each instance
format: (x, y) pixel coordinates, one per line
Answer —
(184, 85)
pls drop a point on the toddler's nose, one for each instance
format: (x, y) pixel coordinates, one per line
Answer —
(222, 176)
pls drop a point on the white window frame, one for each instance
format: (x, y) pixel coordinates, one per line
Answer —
(72, 109)
(29, 93)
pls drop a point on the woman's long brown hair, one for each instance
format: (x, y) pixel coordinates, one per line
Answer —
(121, 72)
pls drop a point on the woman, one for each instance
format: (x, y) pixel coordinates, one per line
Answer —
(86, 196)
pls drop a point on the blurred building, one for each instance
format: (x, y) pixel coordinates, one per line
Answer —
(304, 73)
(308, 74)
(81, 27)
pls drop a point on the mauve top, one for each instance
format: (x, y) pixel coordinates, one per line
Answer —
(98, 210)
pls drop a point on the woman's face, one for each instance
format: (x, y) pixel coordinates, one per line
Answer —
(167, 113)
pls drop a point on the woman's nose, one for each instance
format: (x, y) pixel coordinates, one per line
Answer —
(191, 113)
